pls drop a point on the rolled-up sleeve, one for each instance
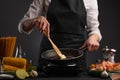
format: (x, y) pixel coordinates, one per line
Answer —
(34, 10)
(92, 18)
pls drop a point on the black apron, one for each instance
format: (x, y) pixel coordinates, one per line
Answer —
(67, 20)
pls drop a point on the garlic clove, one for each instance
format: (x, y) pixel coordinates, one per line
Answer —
(104, 74)
(33, 73)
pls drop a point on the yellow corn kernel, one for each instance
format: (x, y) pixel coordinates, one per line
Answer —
(11, 68)
(16, 62)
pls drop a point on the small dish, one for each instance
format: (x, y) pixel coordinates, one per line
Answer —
(115, 76)
(6, 76)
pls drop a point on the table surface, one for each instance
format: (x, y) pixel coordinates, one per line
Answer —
(80, 76)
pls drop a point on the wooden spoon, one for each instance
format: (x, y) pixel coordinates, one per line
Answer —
(59, 53)
(62, 57)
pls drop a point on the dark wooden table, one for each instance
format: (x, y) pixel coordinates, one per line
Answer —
(81, 76)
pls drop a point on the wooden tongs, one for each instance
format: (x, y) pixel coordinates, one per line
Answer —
(59, 53)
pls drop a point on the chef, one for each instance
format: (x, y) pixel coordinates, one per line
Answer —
(67, 21)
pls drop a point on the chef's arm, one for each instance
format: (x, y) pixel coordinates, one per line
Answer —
(92, 20)
(92, 42)
(95, 36)
(92, 27)
(26, 25)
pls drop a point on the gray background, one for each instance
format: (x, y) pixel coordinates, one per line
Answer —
(11, 11)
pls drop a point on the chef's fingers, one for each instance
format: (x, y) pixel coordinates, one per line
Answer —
(96, 48)
(89, 47)
(83, 46)
(92, 47)
(47, 30)
(37, 24)
(39, 21)
(45, 25)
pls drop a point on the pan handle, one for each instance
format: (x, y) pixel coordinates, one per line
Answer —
(83, 49)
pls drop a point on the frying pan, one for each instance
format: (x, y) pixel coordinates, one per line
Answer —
(72, 55)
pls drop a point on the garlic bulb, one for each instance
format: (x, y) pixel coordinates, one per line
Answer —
(33, 73)
(104, 74)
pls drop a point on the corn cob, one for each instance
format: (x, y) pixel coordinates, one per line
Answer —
(16, 62)
(11, 68)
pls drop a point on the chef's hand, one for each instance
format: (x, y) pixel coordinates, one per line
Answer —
(42, 25)
(92, 43)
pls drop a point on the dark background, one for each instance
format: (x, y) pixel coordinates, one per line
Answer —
(12, 11)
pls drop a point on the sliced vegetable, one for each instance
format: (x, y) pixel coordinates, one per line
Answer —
(21, 74)
(94, 72)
